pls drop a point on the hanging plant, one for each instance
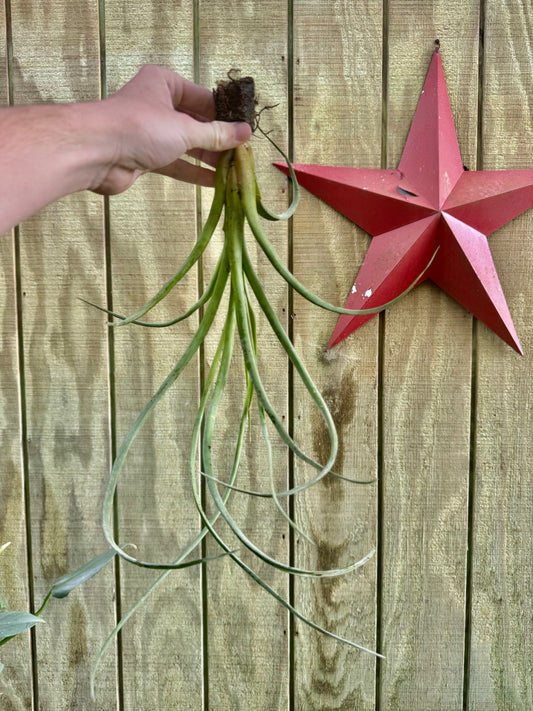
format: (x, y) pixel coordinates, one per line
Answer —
(238, 201)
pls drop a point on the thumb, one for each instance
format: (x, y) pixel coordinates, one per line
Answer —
(217, 135)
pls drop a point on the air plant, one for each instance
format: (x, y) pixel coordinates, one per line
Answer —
(237, 198)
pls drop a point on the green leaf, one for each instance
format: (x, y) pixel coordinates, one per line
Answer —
(66, 584)
(12, 623)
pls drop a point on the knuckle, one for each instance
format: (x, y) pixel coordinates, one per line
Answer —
(220, 137)
(149, 70)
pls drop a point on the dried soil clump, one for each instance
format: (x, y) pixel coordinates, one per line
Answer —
(235, 99)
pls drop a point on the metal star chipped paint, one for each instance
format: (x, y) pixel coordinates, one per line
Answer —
(430, 201)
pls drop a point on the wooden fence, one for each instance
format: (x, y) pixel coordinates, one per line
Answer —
(426, 400)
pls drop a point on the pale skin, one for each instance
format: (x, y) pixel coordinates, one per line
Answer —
(47, 152)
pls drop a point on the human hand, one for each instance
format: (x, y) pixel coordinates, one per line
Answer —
(152, 121)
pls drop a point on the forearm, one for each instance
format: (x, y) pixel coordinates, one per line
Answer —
(47, 152)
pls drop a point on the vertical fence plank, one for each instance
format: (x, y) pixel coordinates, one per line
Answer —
(16, 678)
(55, 50)
(501, 672)
(426, 403)
(247, 630)
(152, 230)
(338, 111)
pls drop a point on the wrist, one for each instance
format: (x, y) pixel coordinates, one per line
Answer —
(49, 151)
(107, 163)
(93, 143)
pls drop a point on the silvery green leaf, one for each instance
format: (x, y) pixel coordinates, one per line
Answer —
(67, 583)
(12, 622)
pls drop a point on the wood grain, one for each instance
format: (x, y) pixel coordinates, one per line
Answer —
(56, 58)
(501, 671)
(426, 404)
(337, 79)
(247, 630)
(152, 230)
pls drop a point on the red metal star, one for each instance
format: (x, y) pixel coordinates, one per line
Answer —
(429, 202)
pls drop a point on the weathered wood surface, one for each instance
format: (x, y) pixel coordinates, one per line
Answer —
(426, 407)
(152, 228)
(426, 400)
(335, 88)
(501, 663)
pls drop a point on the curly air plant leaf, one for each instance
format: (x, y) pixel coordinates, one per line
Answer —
(237, 196)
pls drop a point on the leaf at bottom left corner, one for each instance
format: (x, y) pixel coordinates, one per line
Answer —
(12, 622)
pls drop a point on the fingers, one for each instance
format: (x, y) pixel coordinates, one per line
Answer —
(184, 95)
(189, 173)
(207, 157)
(190, 97)
(216, 135)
